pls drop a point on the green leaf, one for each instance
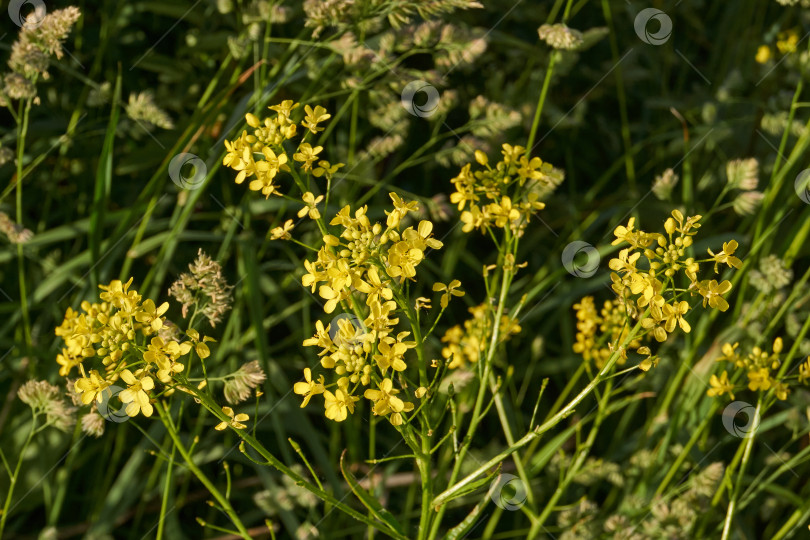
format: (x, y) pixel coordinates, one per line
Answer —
(367, 499)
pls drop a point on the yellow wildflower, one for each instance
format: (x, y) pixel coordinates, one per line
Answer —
(311, 206)
(283, 232)
(135, 395)
(339, 404)
(314, 117)
(720, 385)
(449, 290)
(307, 155)
(235, 420)
(308, 388)
(726, 256)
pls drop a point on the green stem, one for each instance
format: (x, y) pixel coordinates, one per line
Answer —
(532, 435)
(22, 132)
(13, 480)
(732, 503)
(274, 462)
(223, 502)
(541, 101)
(510, 440)
(167, 486)
(482, 389)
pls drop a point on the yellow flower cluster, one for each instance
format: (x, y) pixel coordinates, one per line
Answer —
(653, 285)
(759, 366)
(465, 344)
(598, 331)
(120, 332)
(648, 290)
(266, 142)
(786, 43)
(506, 195)
(365, 268)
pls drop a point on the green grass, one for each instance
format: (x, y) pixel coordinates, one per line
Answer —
(613, 454)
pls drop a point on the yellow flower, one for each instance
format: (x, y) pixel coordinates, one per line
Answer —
(325, 168)
(726, 256)
(266, 170)
(385, 402)
(624, 233)
(283, 232)
(648, 363)
(720, 385)
(759, 379)
(656, 323)
(235, 420)
(449, 291)
(311, 206)
(401, 209)
(308, 388)
(151, 315)
(67, 361)
(504, 213)
(763, 54)
(284, 109)
(307, 155)
(804, 370)
(391, 352)
(339, 404)
(674, 314)
(729, 353)
(403, 258)
(237, 156)
(787, 41)
(91, 387)
(135, 395)
(118, 294)
(712, 292)
(373, 286)
(781, 391)
(314, 117)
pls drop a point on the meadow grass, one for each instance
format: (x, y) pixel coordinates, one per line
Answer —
(574, 383)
